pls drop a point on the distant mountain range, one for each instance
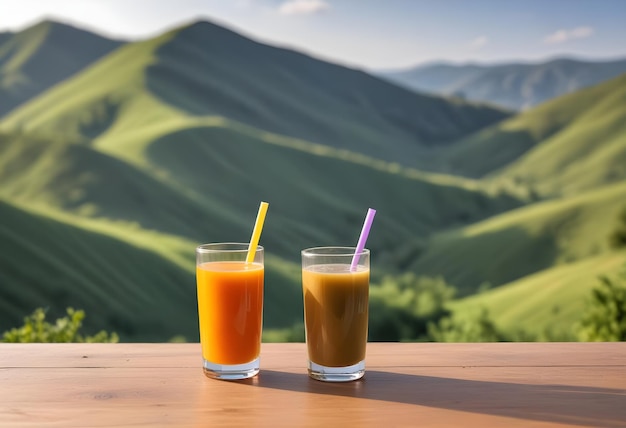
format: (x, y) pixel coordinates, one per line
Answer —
(115, 169)
(516, 86)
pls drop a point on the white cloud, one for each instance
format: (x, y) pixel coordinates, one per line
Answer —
(562, 35)
(478, 42)
(302, 7)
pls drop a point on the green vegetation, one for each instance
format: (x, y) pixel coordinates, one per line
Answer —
(110, 178)
(548, 304)
(570, 144)
(604, 318)
(137, 282)
(476, 329)
(64, 330)
(294, 333)
(160, 213)
(401, 308)
(525, 241)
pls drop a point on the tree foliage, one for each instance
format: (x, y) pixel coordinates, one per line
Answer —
(295, 333)
(605, 316)
(402, 307)
(64, 330)
(480, 328)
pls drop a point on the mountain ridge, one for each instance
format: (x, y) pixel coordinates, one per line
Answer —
(515, 85)
(290, 93)
(42, 55)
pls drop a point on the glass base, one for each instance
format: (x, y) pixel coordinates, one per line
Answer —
(337, 374)
(231, 372)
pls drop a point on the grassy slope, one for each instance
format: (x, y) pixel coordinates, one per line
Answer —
(548, 302)
(75, 178)
(521, 242)
(208, 157)
(210, 180)
(187, 202)
(38, 57)
(54, 264)
(589, 152)
(572, 143)
(137, 282)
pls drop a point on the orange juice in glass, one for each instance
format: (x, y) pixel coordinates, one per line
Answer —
(230, 309)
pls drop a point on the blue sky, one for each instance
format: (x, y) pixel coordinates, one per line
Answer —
(372, 34)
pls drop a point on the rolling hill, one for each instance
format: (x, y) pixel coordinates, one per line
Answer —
(52, 264)
(507, 247)
(573, 143)
(136, 282)
(206, 191)
(77, 178)
(515, 86)
(40, 56)
(547, 304)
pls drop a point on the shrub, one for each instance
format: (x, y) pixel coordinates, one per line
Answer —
(605, 316)
(65, 330)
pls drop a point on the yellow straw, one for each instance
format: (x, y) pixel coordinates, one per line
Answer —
(256, 233)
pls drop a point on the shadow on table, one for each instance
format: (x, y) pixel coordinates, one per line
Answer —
(577, 405)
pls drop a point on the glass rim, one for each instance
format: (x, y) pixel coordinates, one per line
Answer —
(331, 251)
(222, 247)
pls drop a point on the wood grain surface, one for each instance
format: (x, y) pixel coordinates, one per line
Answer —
(417, 384)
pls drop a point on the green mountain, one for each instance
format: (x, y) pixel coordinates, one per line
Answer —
(38, 57)
(570, 144)
(516, 85)
(206, 70)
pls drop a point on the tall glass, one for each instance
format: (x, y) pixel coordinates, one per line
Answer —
(230, 309)
(336, 301)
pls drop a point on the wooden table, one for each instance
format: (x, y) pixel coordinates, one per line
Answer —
(417, 384)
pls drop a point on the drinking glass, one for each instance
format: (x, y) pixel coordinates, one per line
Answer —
(336, 299)
(230, 309)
